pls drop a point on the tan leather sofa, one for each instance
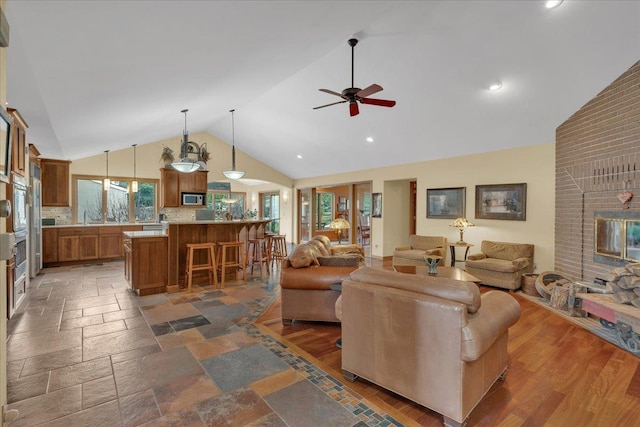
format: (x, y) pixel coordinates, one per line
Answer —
(501, 264)
(435, 341)
(307, 274)
(419, 246)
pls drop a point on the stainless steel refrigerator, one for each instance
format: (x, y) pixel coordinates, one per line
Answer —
(35, 222)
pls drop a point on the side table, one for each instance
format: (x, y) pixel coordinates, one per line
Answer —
(452, 248)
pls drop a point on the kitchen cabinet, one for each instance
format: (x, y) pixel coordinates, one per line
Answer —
(18, 142)
(55, 182)
(49, 245)
(174, 183)
(145, 263)
(110, 242)
(76, 245)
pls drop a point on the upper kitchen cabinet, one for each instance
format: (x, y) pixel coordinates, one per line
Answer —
(19, 142)
(55, 182)
(174, 183)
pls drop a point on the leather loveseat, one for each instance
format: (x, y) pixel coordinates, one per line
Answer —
(435, 341)
(419, 247)
(308, 273)
(501, 264)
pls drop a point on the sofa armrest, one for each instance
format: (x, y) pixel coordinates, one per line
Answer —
(403, 248)
(435, 251)
(476, 257)
(498, 311)
(521, 263)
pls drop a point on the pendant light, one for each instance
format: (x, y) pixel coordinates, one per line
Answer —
(233, 173)
(107, 182)
(185, 164)
(134, 183)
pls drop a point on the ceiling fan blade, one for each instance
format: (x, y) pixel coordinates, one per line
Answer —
(330, 92)
(380, 102)
(329, 105)
(374, 88)
(353, 109)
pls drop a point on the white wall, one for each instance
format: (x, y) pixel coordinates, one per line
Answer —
(534, 165)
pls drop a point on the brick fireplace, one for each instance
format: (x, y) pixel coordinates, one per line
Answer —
(597, 158)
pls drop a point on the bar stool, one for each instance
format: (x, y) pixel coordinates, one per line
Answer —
(258, 252)
(210, 266)
(231, 254)
(279, 247)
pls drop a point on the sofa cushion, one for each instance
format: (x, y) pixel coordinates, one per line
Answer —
(339, 260)
(324, 240)
(303, 256)
(426, 242)
(505, 250)
(454, 290)
(320, 248)
(499, 265)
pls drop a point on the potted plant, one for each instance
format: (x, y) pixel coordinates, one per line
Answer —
(167, 155)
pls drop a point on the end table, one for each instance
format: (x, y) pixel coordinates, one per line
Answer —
(453, 246)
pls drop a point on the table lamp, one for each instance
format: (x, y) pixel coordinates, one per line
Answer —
(339, 224)
(461, 223)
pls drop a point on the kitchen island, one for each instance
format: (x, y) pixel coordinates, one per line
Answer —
(182, 233)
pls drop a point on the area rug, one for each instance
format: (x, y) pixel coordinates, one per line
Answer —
(589, 323)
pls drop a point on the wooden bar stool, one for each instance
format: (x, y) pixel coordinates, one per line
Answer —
(210, 266)
(279, 248)
(258, 252)
(231, 254)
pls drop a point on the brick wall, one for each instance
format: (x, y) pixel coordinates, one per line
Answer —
(597, 156)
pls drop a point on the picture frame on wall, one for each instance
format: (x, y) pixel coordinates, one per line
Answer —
(446, 202)
(376, 201)
(502, 201)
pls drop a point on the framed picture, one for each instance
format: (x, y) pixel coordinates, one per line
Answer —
(376, 199)
(503, 201)
(446, 202)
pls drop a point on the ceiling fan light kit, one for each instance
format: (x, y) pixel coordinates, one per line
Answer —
(353, 94)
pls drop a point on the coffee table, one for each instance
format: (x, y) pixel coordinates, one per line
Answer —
(454, 273)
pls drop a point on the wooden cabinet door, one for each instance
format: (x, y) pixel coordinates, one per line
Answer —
(195, 182)
(110, 246)
(49, 245)
(87, 247)
(55, 182)
(169, 188)
(68, 248)
(18, 142)
(128, 261)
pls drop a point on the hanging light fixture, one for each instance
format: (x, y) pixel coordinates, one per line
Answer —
(107, 182)
(233, 173)
(185, 164)
(134, 183)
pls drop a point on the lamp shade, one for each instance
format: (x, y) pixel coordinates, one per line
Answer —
(185, 165)
(461, 223)
(339, 224)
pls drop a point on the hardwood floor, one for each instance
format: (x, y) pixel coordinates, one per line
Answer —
(559, 374)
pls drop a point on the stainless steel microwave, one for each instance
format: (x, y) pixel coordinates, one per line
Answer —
(192, 199)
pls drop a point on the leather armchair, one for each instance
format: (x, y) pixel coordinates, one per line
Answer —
(435, 341)
(501, 264)
(419, 247)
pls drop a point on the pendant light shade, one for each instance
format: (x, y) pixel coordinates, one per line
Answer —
(233, 173)
(107, 182)
(185, 164)
(134, 183)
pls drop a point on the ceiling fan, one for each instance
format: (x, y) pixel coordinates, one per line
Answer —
(353, 94)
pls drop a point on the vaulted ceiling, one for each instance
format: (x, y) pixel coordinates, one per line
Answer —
(94, 75)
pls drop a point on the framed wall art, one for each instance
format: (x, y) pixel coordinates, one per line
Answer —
(446, 202)
(376, 201)
(502, 201)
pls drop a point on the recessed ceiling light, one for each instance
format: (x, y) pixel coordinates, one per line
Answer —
(369, 139)
(299, 156)
(550, 4)
(493, 86)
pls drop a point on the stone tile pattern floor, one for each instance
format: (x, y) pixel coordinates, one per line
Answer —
(84, 350)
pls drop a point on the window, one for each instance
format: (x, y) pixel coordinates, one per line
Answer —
(324, 210)
(94, 205)
(270, 208)
(216, 202)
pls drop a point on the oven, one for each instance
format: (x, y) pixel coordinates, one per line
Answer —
(20, 231)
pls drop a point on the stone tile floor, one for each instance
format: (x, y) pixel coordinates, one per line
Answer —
(84, 350)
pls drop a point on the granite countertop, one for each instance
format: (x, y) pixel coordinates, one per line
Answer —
(140, 234)
(234, 221)
(111, 224)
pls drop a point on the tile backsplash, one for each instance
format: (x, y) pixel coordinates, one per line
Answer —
(63, 216)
